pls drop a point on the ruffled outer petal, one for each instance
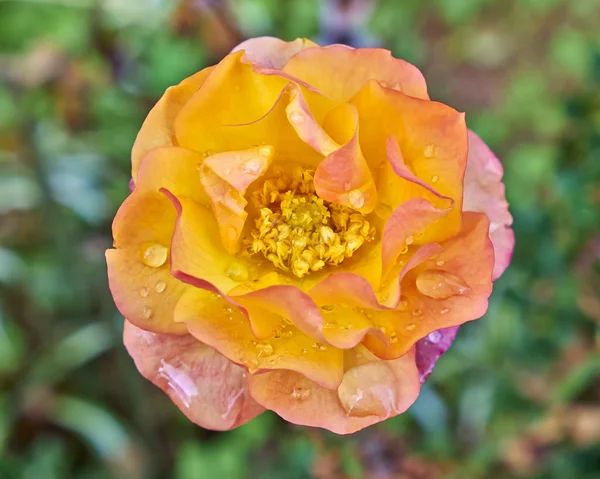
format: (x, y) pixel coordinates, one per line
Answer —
(445, 290)
(209, 389)
(484, 192)
(213, 320)
(143, 289)
(432, 139)
(369, 393)
(340, 72)
(431, 347)
(271, 52)
(157, 129)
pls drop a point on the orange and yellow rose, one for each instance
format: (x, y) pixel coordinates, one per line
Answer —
(306, 231)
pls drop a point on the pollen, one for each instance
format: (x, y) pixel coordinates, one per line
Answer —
(298, 231)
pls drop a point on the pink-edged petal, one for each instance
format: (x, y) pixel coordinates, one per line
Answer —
(340, 72)
(431, 347)
(344, 177)
(410, 220)
(212, 320)
(307, 127)
(368, 394)
(484, 192)
(208, 388)
(271, 52)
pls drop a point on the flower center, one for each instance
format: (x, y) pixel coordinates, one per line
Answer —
(298, 231)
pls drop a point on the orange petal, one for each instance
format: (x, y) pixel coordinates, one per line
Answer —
(157, 130)
(196, 248)
(307, 127)
(340, 72)
(344, 177)
(461, 276)
(238, 107)
(138, 270)
(287, 302)
(367, 395)
(407, 222)
(211, 320)
(225, 177)
(271, 52)
(432, 138)
(208, 388)
(484, 192)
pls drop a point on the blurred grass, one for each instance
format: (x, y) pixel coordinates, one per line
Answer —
(518, 396)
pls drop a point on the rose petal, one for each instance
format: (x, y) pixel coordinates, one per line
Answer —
(469, 257)
(209, 389)
(432, 138)
(370, 392)
(271, 52)
(484, 192)
(407, 222)
(157, 130)
(340, 72)
(344, 177)
(211, 320)
(431, 347)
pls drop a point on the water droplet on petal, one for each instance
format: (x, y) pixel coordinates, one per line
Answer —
(237, 271)
(327, 307)
(409, 240)
(304, 351)
(383, 210)
(300, 394)
(264, 349)
(435, 178)
(403, 305)
(440, 263)
(160, 286)
(296, 117)
(147, 312)
(444, 311)
(179, 381)
(440, 284)
(411, 326)
(144, 292)
(417, 312)
(428, 151)
(435, 337)
(356, 198)
(155, 255)
(227, 171)
(266, 151)
(253, 166)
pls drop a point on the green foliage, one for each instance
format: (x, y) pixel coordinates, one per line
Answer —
(516, 396)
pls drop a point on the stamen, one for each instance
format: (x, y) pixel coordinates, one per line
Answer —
(298, 231)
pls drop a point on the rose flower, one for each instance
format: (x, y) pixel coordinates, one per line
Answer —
(305, 233)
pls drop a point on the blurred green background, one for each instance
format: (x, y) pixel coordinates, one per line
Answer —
(518, 395)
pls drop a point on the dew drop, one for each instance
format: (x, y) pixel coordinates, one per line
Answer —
(440, 262)
(304, 351)
(264, 349)
(227, 171)
(327, 307)
(300, 394)
(417, 312)
(394, 340)
(435, 337)
(428, 152)
(296, 117)
(253, 166)
(383, 210)
(356, 198)
(403, 305)
(444, 311)
(435, 178)
(147, 313)
(440, 284)
(154, 255)
(144, 292)
(266, 151)
(237, 271)
(409, 240)
(411, 326)
(160, 286)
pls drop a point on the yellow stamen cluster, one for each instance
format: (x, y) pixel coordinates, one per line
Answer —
(298, 231)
